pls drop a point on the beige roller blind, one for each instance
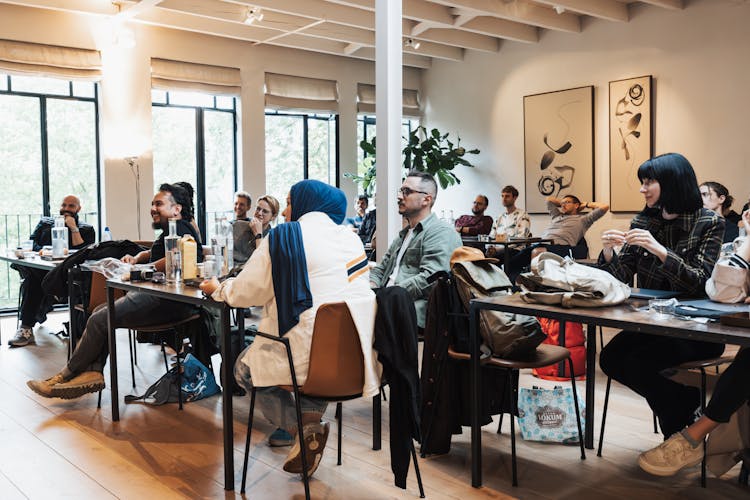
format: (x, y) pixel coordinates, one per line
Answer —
(366, 100)
(50, 60)
(301, 93)
(177, 75)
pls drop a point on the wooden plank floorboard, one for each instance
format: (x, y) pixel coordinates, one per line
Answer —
(51, 448)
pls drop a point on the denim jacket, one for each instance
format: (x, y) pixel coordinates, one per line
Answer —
(429, 251)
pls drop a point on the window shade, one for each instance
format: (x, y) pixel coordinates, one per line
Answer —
(179, 75)
(366, 100)
(301, 93)
(36, 59)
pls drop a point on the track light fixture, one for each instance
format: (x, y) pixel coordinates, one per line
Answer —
(254, 14)
(411, 43)
(559, 9)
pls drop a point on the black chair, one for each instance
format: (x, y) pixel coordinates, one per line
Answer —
(545, 355)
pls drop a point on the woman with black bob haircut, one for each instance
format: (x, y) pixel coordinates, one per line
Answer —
(672, 244)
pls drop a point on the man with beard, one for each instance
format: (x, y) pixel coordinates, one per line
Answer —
(34, 303)
(477, 223)
(421, 249)
(83, 372)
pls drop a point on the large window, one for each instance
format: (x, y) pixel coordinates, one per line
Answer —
(366, 131)
(300, 146)
(49, 149)
(195, 140)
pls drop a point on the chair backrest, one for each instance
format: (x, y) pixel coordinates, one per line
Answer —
(336, 367)
(581, 250)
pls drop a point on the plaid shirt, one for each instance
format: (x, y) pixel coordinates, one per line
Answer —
(693, 242)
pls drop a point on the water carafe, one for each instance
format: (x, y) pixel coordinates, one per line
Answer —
(59, 238)
(173, 262)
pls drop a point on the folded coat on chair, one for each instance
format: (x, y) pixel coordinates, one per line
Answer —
(561, 281)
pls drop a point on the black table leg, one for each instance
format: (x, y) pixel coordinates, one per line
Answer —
(226, 398)
(476, 428)
(112, 354)
(588, 437)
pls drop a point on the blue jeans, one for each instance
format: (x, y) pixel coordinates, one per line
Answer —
(131, 311)
(277, 405)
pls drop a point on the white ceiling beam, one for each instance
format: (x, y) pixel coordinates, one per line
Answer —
(315, 9)
(500, 28)
(462, 19)
(420, 28)
(96, 7)
(521, 11)
(136, 8)
(463, 39)
(667, 4)
(352, 48)
(417, 10)
(611, 10)
(410, 59)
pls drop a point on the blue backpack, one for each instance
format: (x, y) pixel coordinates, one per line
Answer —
(198, 382)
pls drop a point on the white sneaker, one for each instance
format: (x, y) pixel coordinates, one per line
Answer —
(24, 336)
(670, 456)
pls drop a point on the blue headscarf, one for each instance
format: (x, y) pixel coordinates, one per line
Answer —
(291, 285)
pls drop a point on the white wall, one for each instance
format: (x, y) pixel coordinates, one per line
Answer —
(125, 99)
(700, 60)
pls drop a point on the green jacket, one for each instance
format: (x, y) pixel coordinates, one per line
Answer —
(429, 251)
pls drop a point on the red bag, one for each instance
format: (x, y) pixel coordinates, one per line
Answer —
(574, 341)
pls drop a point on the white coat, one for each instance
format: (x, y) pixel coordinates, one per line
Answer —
(332, 251)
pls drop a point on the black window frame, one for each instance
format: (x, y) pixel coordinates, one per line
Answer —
(43, 98)
(200, 151)
(305, 135)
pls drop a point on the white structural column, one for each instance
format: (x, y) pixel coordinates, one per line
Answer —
(388, 109)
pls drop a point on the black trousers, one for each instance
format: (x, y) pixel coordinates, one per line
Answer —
(732, 389)
(636, 360)
(32, 297)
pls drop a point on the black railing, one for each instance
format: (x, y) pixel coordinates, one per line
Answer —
(14, 229)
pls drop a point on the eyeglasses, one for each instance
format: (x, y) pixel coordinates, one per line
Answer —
(405, 191)
(567, 202)
(262, 210)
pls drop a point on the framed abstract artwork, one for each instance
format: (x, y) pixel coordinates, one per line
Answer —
(558, 146)
(630, 140)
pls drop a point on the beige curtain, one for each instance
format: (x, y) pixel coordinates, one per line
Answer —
(177, 75)
(300, 93)
(366, 101)
(22, 58)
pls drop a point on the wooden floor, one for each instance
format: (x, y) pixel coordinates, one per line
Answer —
(50, 448)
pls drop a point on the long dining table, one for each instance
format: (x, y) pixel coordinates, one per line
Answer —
(629, 315)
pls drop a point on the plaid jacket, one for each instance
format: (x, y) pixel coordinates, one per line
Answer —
(693, 241)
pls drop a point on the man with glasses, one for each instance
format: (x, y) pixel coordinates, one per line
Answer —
(421, 249)
(35, 303)
(477, 222)
(568, 227)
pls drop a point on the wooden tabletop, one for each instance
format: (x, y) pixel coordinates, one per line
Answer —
(35, 262)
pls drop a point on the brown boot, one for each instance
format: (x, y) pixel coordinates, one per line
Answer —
(44, 387)
(315, 439)
(81, 384)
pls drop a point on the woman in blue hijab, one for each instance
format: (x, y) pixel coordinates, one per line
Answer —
(289, 264)
(308, 261)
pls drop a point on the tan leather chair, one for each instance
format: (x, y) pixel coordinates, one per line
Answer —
(336, 373)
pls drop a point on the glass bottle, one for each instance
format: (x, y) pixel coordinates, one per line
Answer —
(173, 264)
(59, 238)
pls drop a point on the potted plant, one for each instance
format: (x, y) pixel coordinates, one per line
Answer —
(435, 154)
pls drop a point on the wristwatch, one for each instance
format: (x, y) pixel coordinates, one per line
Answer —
(258, 236)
